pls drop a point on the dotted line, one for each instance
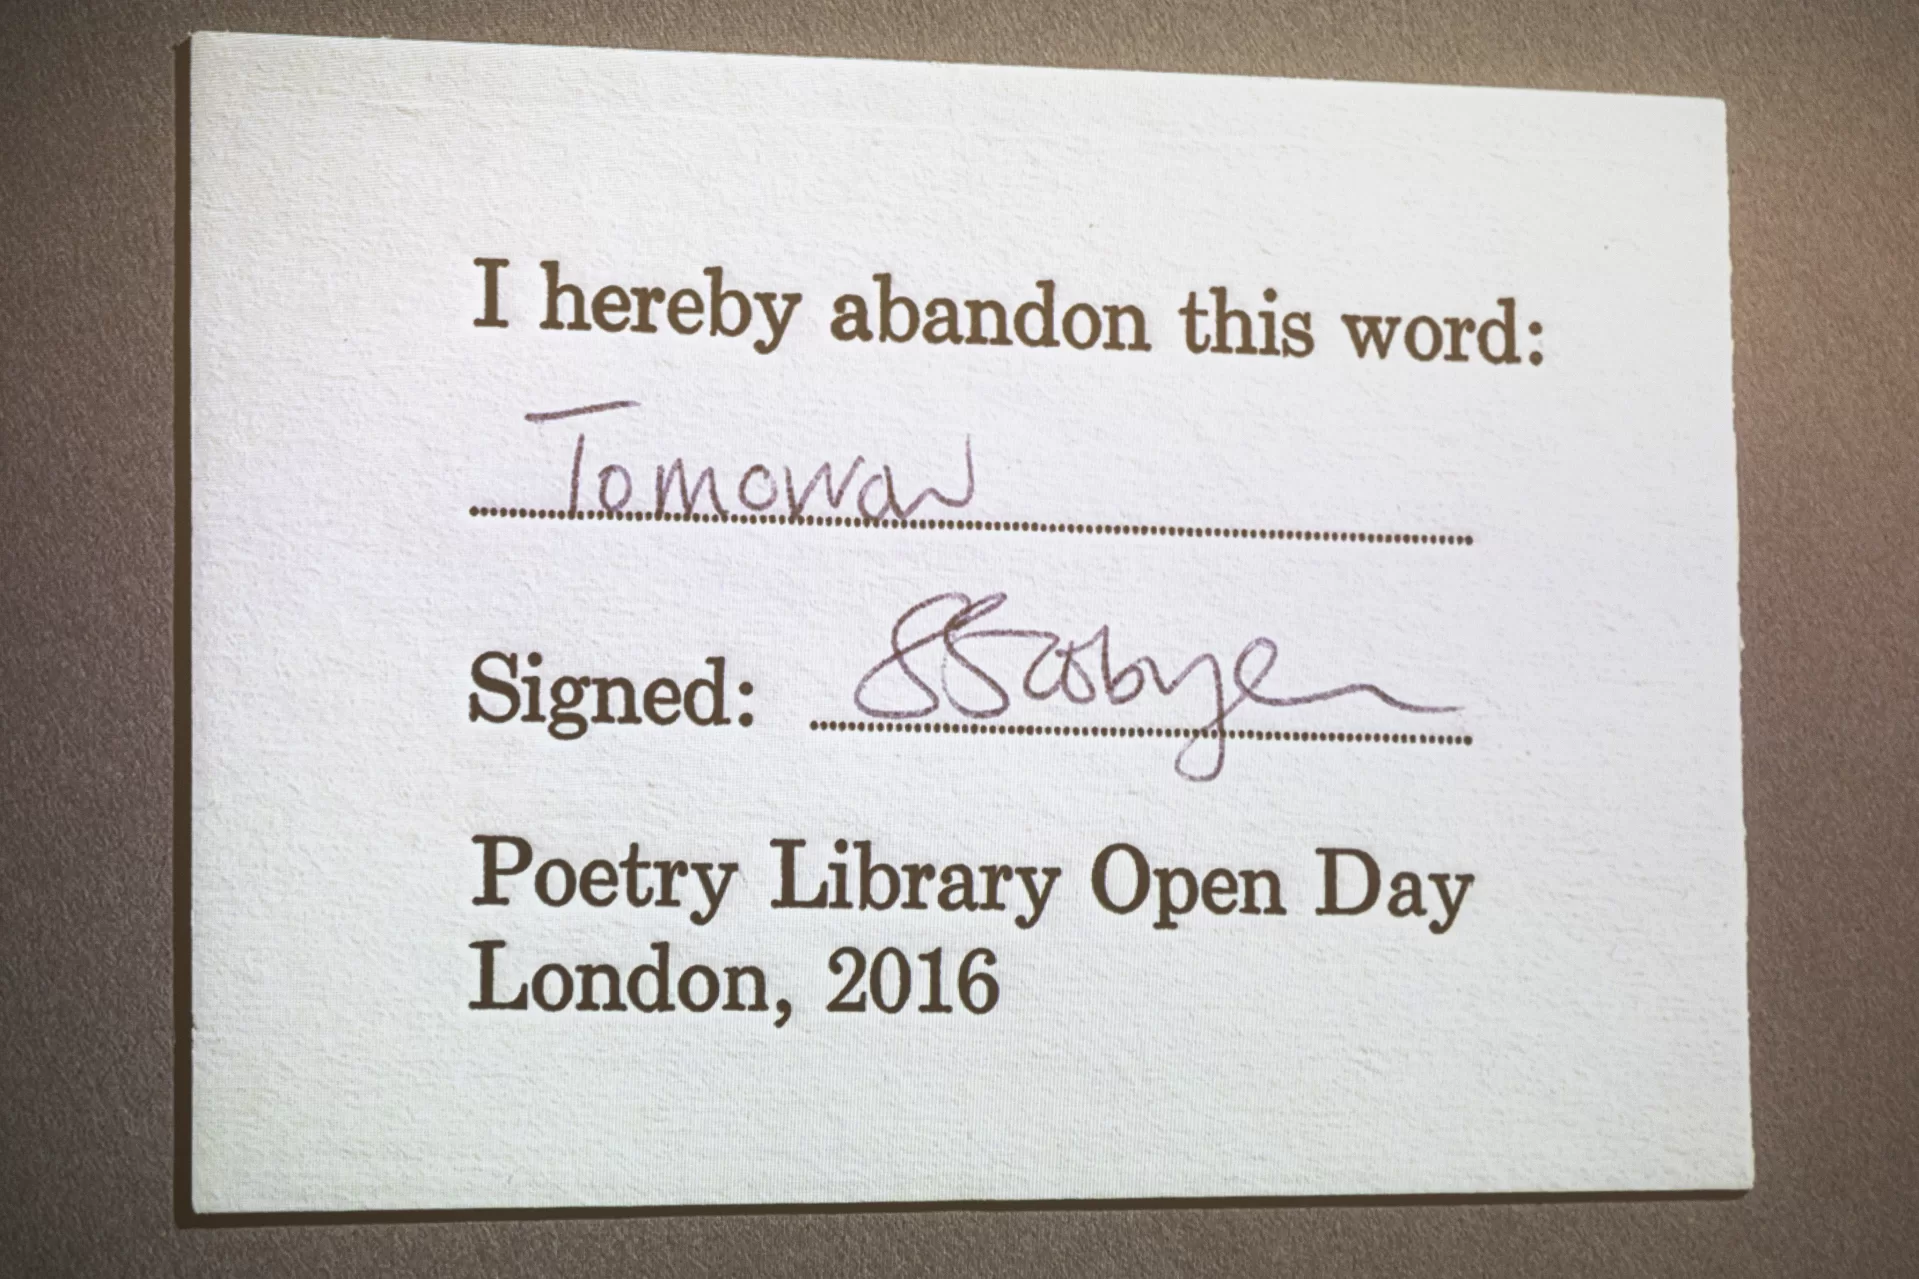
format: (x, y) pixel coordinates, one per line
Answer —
(978, 526)
(1047, 730)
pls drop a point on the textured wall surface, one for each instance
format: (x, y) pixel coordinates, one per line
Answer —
(1824, 138)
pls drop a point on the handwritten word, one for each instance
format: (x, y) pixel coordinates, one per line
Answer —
(1082, 672)
(877, 496)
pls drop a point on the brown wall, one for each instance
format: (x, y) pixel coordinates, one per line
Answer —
(1823, 105)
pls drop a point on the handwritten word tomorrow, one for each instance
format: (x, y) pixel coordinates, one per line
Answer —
(757, 489)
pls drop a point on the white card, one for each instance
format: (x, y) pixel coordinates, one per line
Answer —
(1100, 635)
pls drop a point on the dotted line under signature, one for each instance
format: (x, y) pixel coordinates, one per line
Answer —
(1051, 730)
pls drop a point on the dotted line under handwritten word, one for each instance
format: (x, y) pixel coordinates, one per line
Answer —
(1050, 730)
(977, 526)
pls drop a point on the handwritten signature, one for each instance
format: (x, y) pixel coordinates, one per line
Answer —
(1082, 672)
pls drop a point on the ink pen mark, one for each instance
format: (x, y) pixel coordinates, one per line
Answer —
(582, 411)
(1082, 672)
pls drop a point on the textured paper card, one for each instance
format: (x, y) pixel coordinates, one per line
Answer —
(802, 631)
